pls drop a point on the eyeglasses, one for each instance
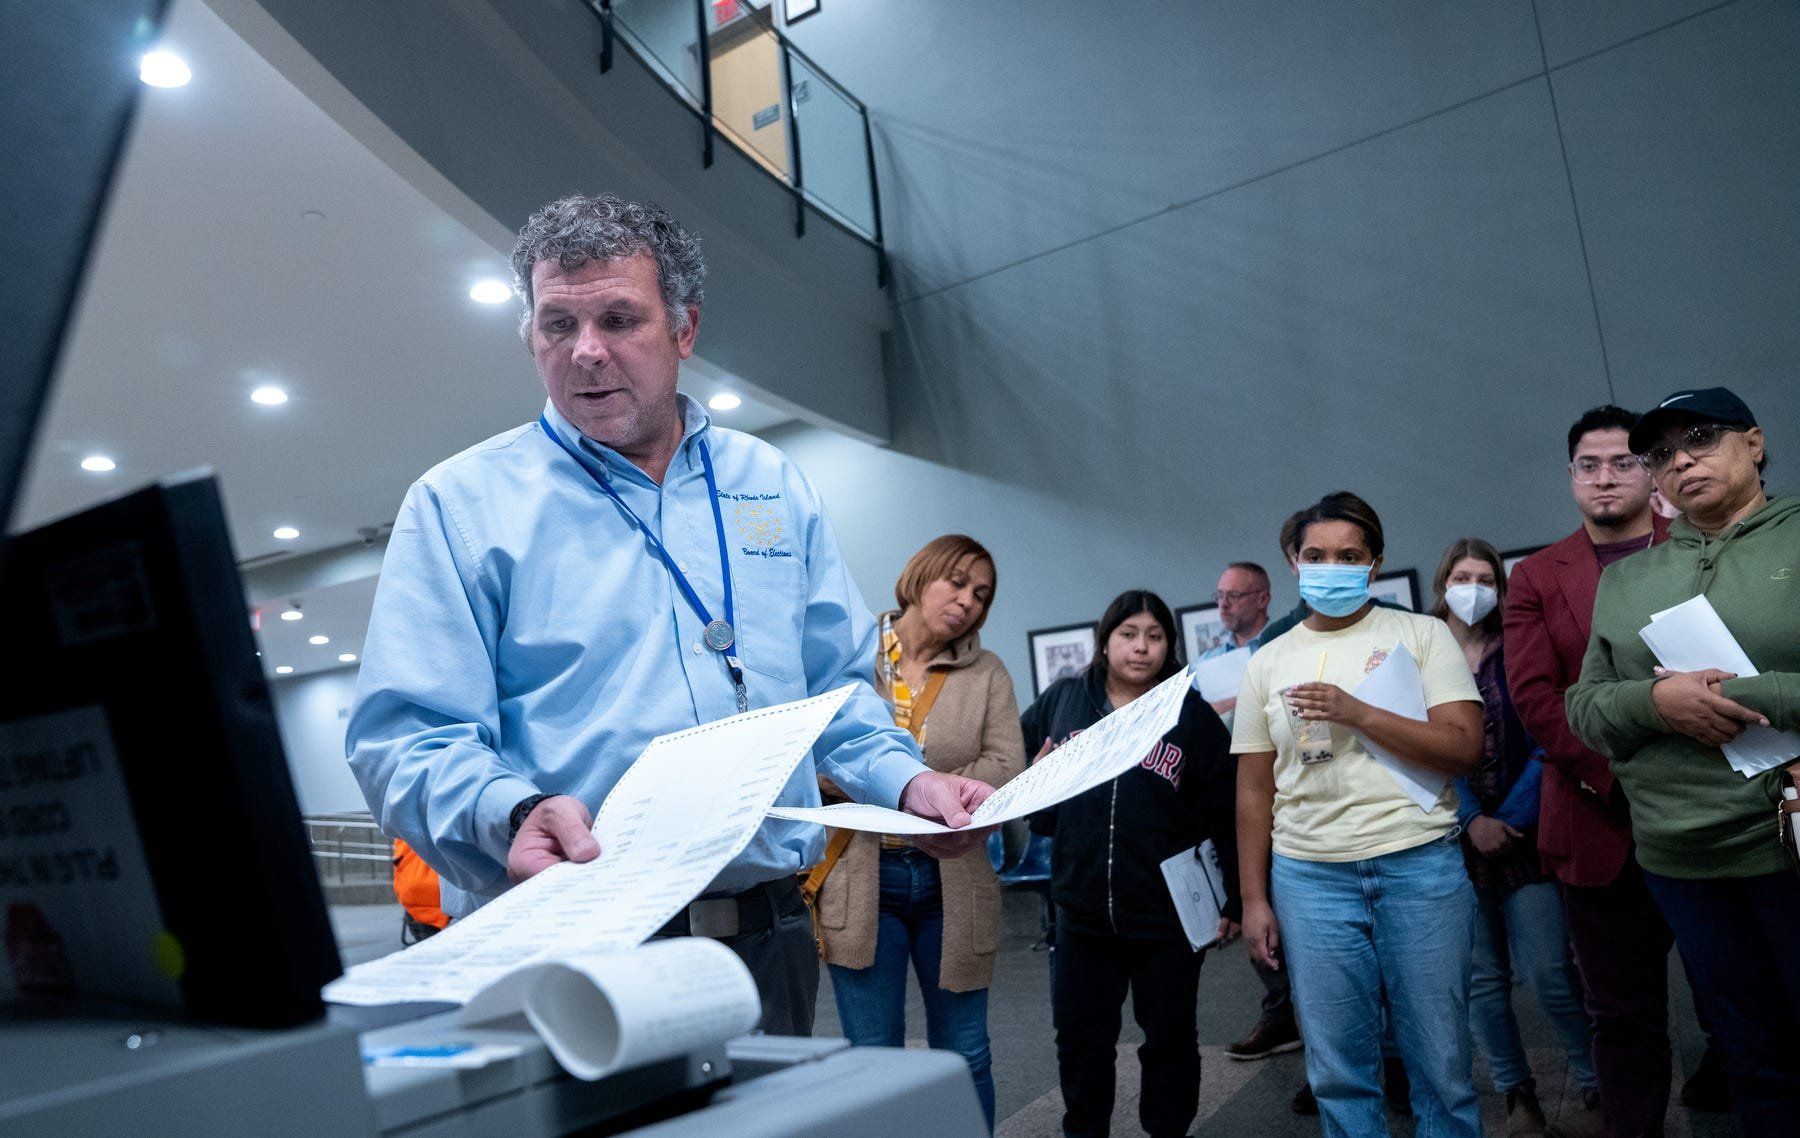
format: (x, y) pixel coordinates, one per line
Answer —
(1586, 470)
(1220, 596)
(1698, 441)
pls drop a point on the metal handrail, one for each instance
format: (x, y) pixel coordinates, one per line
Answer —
(329, 836)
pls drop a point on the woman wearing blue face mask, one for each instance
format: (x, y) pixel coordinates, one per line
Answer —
(1347, 881)
(1519, 927)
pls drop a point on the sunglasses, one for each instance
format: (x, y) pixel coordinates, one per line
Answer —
(1698, 441)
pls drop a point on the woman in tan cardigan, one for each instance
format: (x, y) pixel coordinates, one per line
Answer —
(884, 901)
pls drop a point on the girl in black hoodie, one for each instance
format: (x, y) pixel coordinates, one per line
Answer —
(1116, 926)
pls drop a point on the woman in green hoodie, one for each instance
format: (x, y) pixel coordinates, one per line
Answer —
(1707, 835)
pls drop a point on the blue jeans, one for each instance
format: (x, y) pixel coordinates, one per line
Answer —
(871, 1001)
(1524, 935)
(1740, 937)
(1351, 931)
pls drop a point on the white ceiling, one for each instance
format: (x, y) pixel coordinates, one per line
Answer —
(251, 240)
(338, 612)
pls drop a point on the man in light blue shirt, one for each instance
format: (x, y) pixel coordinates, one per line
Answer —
(555, 597)
(1243, 599)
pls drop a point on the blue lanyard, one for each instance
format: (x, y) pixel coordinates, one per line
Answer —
(720, 635)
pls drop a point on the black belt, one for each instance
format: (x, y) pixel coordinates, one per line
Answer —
(756, 908)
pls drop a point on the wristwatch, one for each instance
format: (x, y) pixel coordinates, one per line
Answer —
(520, 813)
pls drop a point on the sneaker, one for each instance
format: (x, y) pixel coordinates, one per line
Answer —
(1304, 1103)
(1708, 1088)
(1395, 1086)
(1583, 1123)
(1268, 1037)
(1524, 1116)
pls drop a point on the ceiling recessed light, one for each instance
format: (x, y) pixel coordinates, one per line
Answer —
(321, 639)
(724, 401)
(491, 291)
(164, 69)
(269, 396)
(284, 670)
(98, 463)
(291, 614)
(286, 533)
(346, 657)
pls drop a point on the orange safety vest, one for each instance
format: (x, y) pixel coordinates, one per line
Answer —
(416, 884)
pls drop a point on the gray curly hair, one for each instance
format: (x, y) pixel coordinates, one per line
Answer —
(580, 228)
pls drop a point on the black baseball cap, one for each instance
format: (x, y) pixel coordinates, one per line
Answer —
(1698, 405)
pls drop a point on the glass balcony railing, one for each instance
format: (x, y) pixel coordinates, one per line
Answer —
(749, 85)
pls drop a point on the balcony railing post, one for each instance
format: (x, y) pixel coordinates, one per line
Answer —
(706, 106)
(606, 36)
(787, 85)
(881, 262)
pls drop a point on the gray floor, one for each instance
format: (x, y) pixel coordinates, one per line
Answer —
(1236, 1098)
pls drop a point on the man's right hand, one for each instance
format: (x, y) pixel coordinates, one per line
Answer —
(1262, 933)
(1691, 705)
(558, 829)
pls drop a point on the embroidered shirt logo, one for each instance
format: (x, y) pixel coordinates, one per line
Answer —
(758, 525)
(1374, 660)
(1781, 574)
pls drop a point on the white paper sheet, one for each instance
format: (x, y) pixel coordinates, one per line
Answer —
(1690, 638)
(1197, 886)
(1219, 677)
(1103, 752)
(1395, 685)
(604, 1012)
(689, 804)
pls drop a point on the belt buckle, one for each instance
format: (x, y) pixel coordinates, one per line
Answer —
(717, 918)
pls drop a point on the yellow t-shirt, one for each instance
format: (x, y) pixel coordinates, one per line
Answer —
(1333, 801)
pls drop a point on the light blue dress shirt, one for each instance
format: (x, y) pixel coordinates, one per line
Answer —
(1230, 644)
(525, 640)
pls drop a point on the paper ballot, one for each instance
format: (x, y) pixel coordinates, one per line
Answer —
(1395, 686)
(689, 804)
(1197, 886)
(1219, 677)
(601, 1012)
(1690, 638)
(1104, 751)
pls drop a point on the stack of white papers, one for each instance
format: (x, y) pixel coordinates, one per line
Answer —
(1103, 752)
(1220, 677)
(1691, 638)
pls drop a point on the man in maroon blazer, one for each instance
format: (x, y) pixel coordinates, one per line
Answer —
(1584, 825)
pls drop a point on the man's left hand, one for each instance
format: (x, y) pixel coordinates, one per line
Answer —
(950, 799)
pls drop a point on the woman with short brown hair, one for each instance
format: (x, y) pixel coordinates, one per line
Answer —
(884, 901)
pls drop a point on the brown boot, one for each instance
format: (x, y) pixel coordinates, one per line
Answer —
(1524, 1117)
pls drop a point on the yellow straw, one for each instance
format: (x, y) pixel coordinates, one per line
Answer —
(1321, 674)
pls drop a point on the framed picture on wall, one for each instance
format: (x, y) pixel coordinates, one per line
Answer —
(1513, 556)
(1200, 630)
(1059, 652)
(1400, 587)
(792, 10)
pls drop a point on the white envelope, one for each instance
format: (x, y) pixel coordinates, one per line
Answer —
(1197, 886)
(1690, 638)
(1395, 685)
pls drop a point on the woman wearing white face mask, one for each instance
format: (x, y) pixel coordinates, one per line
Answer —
(1519, 926)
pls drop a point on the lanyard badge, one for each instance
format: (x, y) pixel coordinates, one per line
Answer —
(720, 635)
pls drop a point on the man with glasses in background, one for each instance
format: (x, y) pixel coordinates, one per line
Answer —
(1620, 940)
(1243, 599)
